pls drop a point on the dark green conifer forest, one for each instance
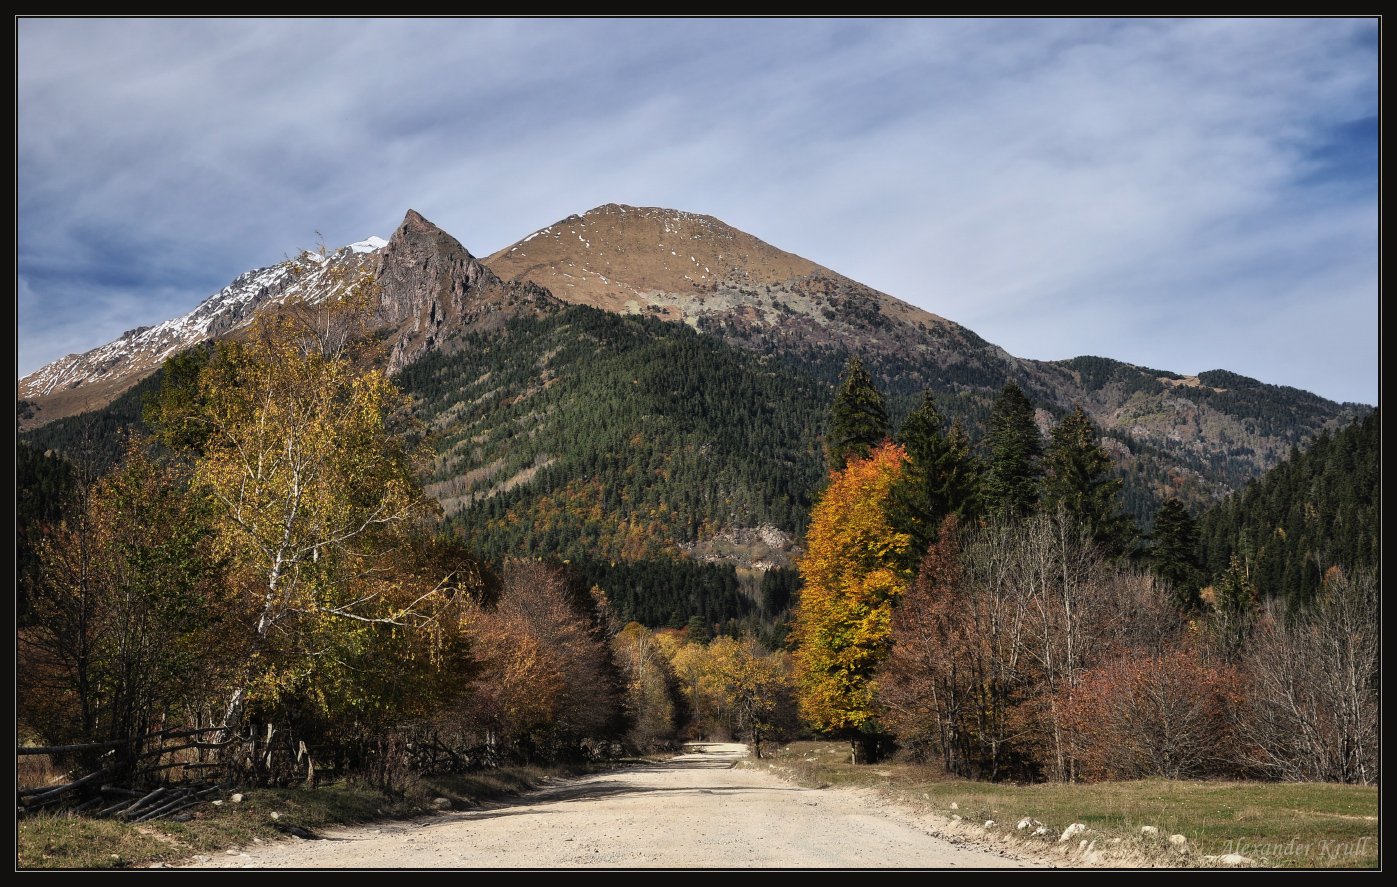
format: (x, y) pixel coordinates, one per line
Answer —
(1316, 510)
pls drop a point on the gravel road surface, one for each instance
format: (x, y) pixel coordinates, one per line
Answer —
(696, 810)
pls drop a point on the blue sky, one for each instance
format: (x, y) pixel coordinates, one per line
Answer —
(1182, 194)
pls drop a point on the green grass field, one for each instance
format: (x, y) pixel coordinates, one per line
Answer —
(1291, 825)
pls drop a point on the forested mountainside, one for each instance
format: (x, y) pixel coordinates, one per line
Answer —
(1193, 438)
(616, 436)
(1318, 509)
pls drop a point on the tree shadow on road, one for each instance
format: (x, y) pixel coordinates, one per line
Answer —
(596, 788)
(595, 791)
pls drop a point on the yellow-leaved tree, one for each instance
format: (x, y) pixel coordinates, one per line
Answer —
(843, 617)
(733, 686)
(296, 438)
(752, 680)
(650, 686)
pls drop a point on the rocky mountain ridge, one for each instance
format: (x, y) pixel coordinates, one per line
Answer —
(428, 289)
(1194, 436)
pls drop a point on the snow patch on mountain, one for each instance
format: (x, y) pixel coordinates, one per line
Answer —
(369, 244)
(138, 351)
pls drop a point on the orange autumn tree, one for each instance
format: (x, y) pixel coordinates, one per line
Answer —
(843, 619)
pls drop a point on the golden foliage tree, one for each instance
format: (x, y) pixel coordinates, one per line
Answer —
(843, 619)
(752, 681)
(298, 445)
(733, 686)
(708, 705)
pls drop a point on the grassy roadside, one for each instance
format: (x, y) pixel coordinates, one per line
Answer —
(1306, 825)
(76, 842)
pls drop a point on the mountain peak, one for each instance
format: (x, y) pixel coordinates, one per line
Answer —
(416, 227)
(621, 209)
(698, 269)
(632, 259)
(429, 288)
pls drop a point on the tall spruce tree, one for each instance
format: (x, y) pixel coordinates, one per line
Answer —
(1078, 479)
(938, 479)
(858, 420)
(1010, 487)
(963, 471)
(1173, 554)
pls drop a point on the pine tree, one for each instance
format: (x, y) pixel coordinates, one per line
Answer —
(916, 502)
(697, 631)
(1078, 479)
(962, 474)
(938, 479)
(1010, 487)
(858, 420)
(1173, 553)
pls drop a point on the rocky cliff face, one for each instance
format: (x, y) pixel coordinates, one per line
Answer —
(758, 548)
(431, 289)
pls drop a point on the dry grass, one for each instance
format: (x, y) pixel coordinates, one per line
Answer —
(36, 771)
(75, 842)
(1289, 825)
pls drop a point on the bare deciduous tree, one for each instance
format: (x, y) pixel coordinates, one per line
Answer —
(1311, 712)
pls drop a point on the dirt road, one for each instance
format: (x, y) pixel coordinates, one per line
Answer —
(696, 810)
